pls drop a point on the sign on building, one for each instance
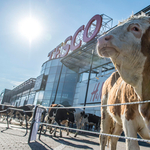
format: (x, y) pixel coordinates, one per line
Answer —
(94, 92)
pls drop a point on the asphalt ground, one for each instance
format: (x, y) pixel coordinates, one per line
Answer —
(14, 138)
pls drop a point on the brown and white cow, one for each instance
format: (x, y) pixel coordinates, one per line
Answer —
(123, 117)
(64, 116)
(128, 46)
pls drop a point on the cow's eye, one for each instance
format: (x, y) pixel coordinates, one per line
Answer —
(135, 29)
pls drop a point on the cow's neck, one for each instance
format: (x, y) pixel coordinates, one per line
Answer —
(133, 77)
(145, 49)
(146, 82)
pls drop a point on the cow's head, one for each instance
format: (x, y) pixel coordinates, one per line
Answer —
(128, 46)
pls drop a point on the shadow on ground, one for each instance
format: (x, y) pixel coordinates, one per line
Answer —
(38, 146)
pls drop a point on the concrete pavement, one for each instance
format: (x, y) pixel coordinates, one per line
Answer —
(14, 139)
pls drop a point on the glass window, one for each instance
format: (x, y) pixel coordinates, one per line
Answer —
(93, 75)
(43, 67)
(46, 71)
(36, 97)
(58, 95)
(58, 69)
(45, 103)
(53, 95)
(70, 71)
(39, 101)
(71, 77)
(69, 87)
(49, 86)
(55, 62)
(47, 94)
(59, 64)
(60, 87)
(62, 78)
(51, 78)
(41, 93)
(42, 71)
(57, 77)
(64, 69)
(53, 70)
(55, 86)
(48, 64)
(30, 101)
(85, 76)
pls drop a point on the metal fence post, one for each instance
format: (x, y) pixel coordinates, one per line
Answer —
(42, 124)
(33, 121)
(7, 119)
(26, 124)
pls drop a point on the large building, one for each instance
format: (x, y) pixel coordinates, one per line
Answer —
(74, 74)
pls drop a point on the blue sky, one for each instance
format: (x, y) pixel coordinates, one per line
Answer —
(20, 59)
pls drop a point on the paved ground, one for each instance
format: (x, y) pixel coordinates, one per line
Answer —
(14, 139)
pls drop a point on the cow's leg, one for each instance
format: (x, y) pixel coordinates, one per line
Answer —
(60, 130)
(67, 125)
(106, 124)
(130, 129)
(79, 126)
(144, 133)
(57, 123)
(46, 119)
(55, 131)
(117, 131)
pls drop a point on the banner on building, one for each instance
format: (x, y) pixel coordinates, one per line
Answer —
(94, 92)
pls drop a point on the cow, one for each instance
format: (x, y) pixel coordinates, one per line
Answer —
(23, 111)
(91, 120)
(65, 116)
(50, 116)
(128, 46)
(126, 117)
(6, 111)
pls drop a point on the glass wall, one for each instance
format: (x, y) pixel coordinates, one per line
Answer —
(21, 99)
(60, 85)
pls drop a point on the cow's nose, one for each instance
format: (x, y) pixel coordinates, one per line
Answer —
(108, 37)
(103, 40)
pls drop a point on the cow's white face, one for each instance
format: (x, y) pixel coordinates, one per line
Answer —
(124, 46)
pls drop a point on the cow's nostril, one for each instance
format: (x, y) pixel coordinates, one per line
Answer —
(107, 38)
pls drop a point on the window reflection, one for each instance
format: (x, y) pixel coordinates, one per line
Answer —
(47, 94)
(71, 78)
(62, 78)
(55, 62)
(60, 87)
(66, 87)
(46, 71)
(45, 103)
(64, 69)
(48, 64)
(49, 86)
(51, 78)
(53, 70)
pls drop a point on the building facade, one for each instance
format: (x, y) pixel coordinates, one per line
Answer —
(74, 74)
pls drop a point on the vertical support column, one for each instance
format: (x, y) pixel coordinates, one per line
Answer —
(87, 88)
